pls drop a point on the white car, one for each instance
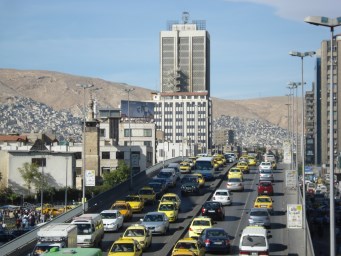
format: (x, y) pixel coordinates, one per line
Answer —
(223, 196)
(265, 165)
(112, 220)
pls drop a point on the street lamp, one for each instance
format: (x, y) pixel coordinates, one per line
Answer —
(129, 90)
(84, 86)
(302, 55)
(331, 23)
(291, 100)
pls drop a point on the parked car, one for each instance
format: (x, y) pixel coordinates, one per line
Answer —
(235, 184)
(224, 196)
(215, 240)
(265, 188)
(212, 209)
(259, 217)
(156, 222)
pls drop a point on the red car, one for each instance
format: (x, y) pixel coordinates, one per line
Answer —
(265, 188)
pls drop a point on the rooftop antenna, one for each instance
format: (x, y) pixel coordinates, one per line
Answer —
(185, 17)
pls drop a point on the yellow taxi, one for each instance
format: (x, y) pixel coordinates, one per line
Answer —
(136, 202)
(148, 195)
(187, 246)
(171, 197)
(264, 202)
(193, 158)
(198, 225)
(244, 167)
(218, 160)
(252, 161)
(170, 209)
(186, 166)
(235, 173)
(139, 233)
(124, 208)
(125, 247)
(201, 179)
(68, 208)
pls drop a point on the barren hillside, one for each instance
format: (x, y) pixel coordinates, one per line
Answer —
(60, 91)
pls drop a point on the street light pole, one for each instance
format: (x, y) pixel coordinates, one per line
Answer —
(331, 23)
(291, 98)
(302, 55)
(131, 169)
(84, 86)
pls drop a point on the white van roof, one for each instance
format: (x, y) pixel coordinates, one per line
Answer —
(254, 230)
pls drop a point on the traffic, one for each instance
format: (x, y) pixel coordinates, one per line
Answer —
(187, 214)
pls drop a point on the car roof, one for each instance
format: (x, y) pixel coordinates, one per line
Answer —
(222, 190)
(135, 226)
(169, 194)
(110, 211)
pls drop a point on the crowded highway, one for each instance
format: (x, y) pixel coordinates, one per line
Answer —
(236, 214)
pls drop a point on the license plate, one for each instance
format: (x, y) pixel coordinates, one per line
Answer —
(218, 242)
(211, 210)
(265, 192)
(263, 206)
(254, 253)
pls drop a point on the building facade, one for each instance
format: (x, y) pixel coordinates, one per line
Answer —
(183, 111)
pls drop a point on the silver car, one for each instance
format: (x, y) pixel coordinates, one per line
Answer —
(235, 184)
(259, 217)
(266, 174)
(156, 222)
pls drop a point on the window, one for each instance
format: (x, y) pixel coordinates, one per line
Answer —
(41, 162)
(147, 132)
(147, 143)
(102, 132)
(119, 155)
(105, 155)
(127, 133)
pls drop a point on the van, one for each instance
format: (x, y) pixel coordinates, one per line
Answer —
(205, 166)
(90, 230)
(254, 241)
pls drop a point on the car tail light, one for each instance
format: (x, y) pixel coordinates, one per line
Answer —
(243, 253)
(207, 241)
(203, 210)
(190, 229)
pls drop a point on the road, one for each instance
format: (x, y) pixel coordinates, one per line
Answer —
(235, 220)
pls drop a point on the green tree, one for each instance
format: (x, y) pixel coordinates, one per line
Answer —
(29, 173)
(121, 174)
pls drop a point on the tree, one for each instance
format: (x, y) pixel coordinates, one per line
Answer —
(29, 172)
(121, 174)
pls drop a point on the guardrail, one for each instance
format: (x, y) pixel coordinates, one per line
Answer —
(18, 246)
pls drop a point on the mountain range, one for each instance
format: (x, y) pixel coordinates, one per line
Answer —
(60, 92)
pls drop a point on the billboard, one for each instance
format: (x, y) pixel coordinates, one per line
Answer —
(295, 216)
(90, 178)
(137, 109)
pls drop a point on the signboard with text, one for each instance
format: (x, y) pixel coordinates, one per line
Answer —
(291, 179)
(90, 178)
(295, 216)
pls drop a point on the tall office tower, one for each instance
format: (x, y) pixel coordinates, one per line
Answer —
(324, 86)
(183, 111)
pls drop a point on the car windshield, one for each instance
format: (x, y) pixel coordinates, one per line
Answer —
(132, 199)
(134, 232)
(107, 215)
(146, 192)
(234, 180)
(122, 247)
(263, 200)
(83, 229)
(259, 213)
(184, 245)
(189, 180)
(215, 233)
(153, 218)
(168, 198)
(164, 174)
(266, 184)
(234, 170)
(166, 207)
(221, 193)
(203, 165)
(253, 241)
(201, 223)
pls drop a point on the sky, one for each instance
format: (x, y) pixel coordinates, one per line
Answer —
(118, 40)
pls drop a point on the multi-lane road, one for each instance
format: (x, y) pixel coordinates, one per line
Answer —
(235, 220)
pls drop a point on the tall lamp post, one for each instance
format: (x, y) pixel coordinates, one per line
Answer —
(129, 90)
(331, 23)
(291, 100)
(84, 86)
(302, 55)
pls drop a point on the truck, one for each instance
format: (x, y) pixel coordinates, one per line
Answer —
(61, 235)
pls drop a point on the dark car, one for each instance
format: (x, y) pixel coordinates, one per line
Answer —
(158, 187)
(215, 240)
(190, 185)
(162, 181)
(265, 188)
(212, 209)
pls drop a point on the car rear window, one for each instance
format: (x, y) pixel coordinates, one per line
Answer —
(253, 241)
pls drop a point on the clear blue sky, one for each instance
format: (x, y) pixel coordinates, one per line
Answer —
(118, 40)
